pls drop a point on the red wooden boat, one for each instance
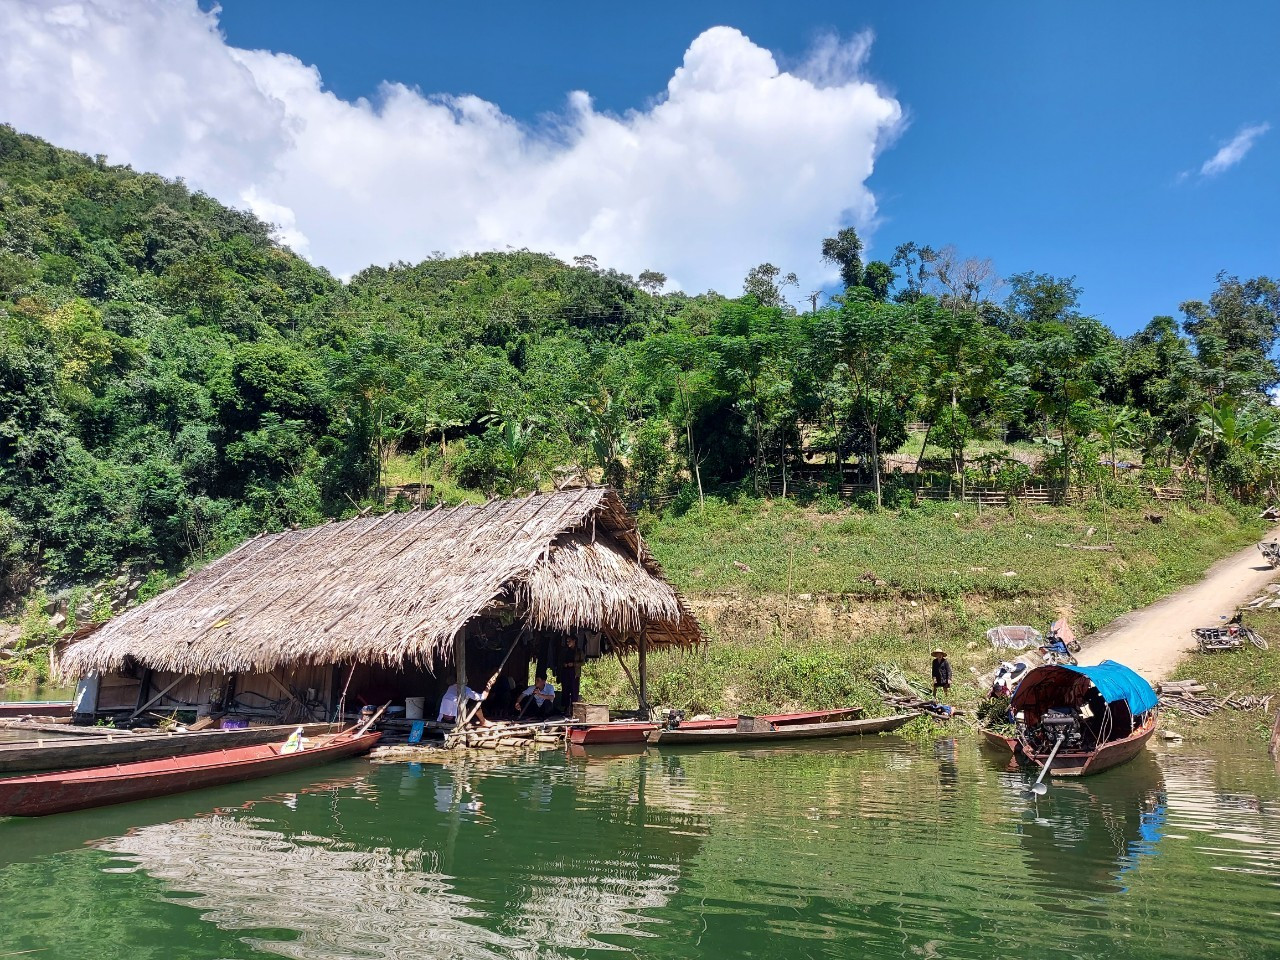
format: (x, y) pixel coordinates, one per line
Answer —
(638, 732)
(45, 793)
(1103, 716)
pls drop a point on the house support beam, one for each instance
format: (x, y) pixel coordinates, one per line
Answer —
(642, 666)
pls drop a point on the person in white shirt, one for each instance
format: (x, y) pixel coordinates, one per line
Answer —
(537, 701)
(449, 704)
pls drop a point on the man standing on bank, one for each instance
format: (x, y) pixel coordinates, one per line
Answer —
(941, 673)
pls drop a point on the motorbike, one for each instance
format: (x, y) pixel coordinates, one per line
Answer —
(1231, 637)
(1060, 644)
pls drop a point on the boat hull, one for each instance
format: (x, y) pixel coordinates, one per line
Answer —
(35, 708)
(1079, 764)
(71, 752)
(801, 731)
(609, 733)
(48, 793)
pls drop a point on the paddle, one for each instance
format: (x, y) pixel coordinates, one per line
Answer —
(1040, 788)
(465, 714)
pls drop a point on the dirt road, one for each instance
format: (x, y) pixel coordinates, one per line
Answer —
(1153, 639)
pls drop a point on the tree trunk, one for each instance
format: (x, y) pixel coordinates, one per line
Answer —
(693, 461)
(875, 464)
(1208, 471)
(920, 459)
(784, 468)
(759, 457)
(1066, 462)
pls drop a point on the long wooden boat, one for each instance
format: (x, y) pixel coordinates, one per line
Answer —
(637, 732)
(65, 753)
(46, 793)
(681, 735)
(1104, 715)
(35, 708)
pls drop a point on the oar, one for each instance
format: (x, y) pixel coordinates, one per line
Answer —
(462, 709)
(342, 700)
(1040, 788)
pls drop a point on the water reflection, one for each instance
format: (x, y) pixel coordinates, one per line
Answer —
(1086, 834)
(340, 902)
(875, 849)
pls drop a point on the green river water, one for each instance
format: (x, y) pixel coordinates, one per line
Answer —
(879, 848)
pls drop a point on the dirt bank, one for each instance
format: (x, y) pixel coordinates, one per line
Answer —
(1153, 639)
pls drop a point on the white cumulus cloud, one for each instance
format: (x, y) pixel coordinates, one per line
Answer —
(1234, 150)
(736, 162)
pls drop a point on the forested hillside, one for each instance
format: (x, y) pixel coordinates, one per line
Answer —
(172, 380)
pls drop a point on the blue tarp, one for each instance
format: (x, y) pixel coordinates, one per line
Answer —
(1115, 682)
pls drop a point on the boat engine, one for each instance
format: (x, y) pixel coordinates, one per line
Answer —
(670, 719)
(1065, 723)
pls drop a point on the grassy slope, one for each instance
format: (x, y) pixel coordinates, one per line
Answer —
(828, 596)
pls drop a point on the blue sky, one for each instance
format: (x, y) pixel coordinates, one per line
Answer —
(1072, 139)
(1047, 137)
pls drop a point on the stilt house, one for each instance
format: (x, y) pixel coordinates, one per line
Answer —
(288, 626)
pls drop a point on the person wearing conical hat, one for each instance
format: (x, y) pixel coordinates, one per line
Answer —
(941, 672)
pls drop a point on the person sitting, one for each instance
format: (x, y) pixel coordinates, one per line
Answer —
(449, 705)
(538, 700)
(941, 672)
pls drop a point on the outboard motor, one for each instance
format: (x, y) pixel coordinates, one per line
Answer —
(671, 719)
(1063, 723)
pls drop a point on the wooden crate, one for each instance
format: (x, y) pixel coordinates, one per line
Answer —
(590, 712)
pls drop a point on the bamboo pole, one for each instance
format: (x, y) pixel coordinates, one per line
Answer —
(158, 696)
(460, 674)
(642, 665)
(626, 670)
(342, 700)
(494, 679)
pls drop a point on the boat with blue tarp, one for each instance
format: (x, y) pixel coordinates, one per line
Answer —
(1079, 720)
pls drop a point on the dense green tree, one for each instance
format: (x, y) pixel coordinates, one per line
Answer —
(766, 283)
(878, 278)
(844, 251)
(173, 380)
(1235, 335)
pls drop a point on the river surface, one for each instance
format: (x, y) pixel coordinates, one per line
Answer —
(879, 848)
(36, 694)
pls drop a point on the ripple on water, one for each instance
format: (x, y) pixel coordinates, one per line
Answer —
(876, 849)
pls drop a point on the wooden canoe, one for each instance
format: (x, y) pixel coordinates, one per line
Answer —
(121, 746)
(798, 731)
(46, 793)
(637, 732)
(1078, 763)
(11, 709)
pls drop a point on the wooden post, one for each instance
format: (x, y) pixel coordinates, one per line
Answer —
(460, 662)
(144, 691)
(642, 663)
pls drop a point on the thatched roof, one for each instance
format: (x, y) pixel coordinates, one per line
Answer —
(397, 588)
